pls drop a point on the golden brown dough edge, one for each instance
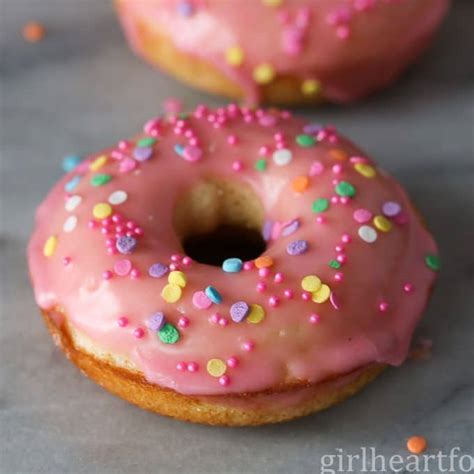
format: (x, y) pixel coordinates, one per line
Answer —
(159, 50)
(229, 410)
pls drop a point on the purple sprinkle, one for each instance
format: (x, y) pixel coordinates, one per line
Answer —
(142, 153)
(312, 128)
(185, 8)
(157, 270)
(126, 244)
(267, 230)
(156, 321)
(297, 247)
(238, 311)
(391, 208)
(291, 227)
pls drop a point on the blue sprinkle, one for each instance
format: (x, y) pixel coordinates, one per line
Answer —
(179, 149)
(71, 184)
(70, 162)
(232, 265)
(213, 294)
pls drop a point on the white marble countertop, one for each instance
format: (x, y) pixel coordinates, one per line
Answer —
(80, 90)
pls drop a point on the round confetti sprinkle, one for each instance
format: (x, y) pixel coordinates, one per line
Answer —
(320, 205)
(157, 270)
(310, 87)
(300, 184)
(98, 163)
(168, 334)
(334, 264)
(367, 234)
(213, 295)
(291, 227)
(297, 247)
(238, 311)
(391, 208)
(362, 215)
(311, 283)
(365, 170)
(118, 197)
(70, 224)
(72, 203)
(234, 56)
(272, 3)
(305, 140)
(33, 32)
(126, 244)
(322, 294)
(201, 300)
(232, 265)
(171, 293)
(433, 262)
(146, 142)
(216, 367)
(316, 168)
(382, 223)
(416, 444)
(345, 189)
(72, 184)
(70, 162)
(192, 153)
(100, 179)
(178, 278)
(282, 157)
(261, 165)
(142, 153)
(156, 321)
(265, 261)
(256, 314)
(102, 210)
(264, 74)
(123, 267)
(50, 246)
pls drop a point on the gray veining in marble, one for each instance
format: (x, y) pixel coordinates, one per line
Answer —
(81, 89)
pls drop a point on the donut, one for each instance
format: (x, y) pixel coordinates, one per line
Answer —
(231, 266)
(282, 51)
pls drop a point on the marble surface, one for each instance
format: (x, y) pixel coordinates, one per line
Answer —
(80, 90)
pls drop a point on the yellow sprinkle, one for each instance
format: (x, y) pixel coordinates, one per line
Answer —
(171, 293)
(102, 210)
(322, 294)
(272, 3)
(216, 367)
(234, 56)
(382, 223)
(311, 283)
(310, 87)
(365, 170)
(256, 314)
(177, 278)
(50, 246)
(264, 73)
(98, 163)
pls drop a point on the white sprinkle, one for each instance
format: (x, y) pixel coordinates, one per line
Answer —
(282, 157)
(72, 202)
(118, 197)
(367, 234)
(70, 224)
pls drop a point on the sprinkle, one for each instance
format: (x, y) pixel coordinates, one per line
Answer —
(107, 275)
(178, 278)
(122, 321)
(305, 140)
(213, 295)
(367, 234)
(311, 283)
(300, 184)
(33, 32)
(232, 265)
(261, 164)
(118, 197)
(138, 333)
(122, 267)
(142, 153)
(100, 179)
(291, 227)
(168, 334)
(282, 157)
(264, 261)
(264, 73)
(416, 444)
(126, 244)
(157, 270)
(312, 128)
(102, 210)
(156, 321)
(171, 293)
(338, 154)
(238, 311)
(234, 56)
(50, 246)
(391, 208)
(272, 3)
(72, 184)
(316, 168)
(70, 224)
(320, 205)
(70, 162)
(216, 367)
(201, 300)
(345, 189)
(192, 153)
(297, 247)
(321, 295)
(314, 318)
(256, 314)
(362, 215)
(433, 262)
(146, 142)
(98, 163)
(365, 170)
(185, 8)
(127, 165)
(382, 223)
(334, 264)
(310, 87)
(72, 202)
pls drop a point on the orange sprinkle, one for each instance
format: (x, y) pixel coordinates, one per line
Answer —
(263, 262)
(33, 32)
(338, 154)
(416, 444)
(300, 184)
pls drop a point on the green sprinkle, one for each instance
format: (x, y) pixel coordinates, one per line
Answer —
(147, 141)
(183, 115)
(345, 189)
(334, 264)
(433, 262)
(261, 165)
(100, 179)
(168, 334)
(320, 205)
(305, 140)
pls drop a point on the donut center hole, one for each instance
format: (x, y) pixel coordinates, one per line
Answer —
(218, 219)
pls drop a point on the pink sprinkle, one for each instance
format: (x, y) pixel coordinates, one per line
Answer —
(337, 169)
(314, 318)
(362, 215)
(127, 165)
(342, 258)
(305, 296)
(183, 322)
(261, 286)
(248, 346)
(346, 238)
(181, 366)
(116, 218)
(201, 301)
(278, 278)
(214, 319)
(383, 306)
(288, 294)
(138, 333)
(122, 267)
(187, 261)
(264, 272)
(408, 287)
(224, 380)
(123, 144)
(122, 321)
(135, 273)
(248, 266)
(193, 367)
(92, 224)
(339, 248)
(273, 301)
(232, 140)
(345, 200)
(320, 219)
(339, 276)
(223, 322)
(232, 362)
(172, 106)
(237, 165)
(334, 199)
(264, 150)
(173, 266)
(66, 261)
(138, 231)
(316, 168)
(107, 275)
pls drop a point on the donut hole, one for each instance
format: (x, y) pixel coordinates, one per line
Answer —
(218, 219)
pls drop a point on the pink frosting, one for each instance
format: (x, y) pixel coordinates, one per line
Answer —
(350, 47)
(378, 288)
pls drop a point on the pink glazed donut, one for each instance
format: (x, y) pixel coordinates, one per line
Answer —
(283, 51)
(231, 266)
